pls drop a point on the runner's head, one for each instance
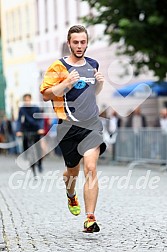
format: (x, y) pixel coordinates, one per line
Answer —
(76, 29)
(77, 40)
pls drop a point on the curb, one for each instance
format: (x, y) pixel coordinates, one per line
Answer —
(2, 243)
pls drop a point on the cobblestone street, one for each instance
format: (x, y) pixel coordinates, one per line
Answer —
(34, 216)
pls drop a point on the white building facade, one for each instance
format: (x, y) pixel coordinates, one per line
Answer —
(34, 35)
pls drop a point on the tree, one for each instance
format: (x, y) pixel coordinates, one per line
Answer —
(140, 24)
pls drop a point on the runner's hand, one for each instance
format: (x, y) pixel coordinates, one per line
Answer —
(99, 77)
(73, 77)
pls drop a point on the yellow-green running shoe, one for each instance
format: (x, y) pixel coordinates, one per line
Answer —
(73, 205)
(90, 224)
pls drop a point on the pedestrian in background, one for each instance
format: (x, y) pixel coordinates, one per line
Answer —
(2, 136)
(7, 130)
(71, 83)
(161, 123)
(136, 120)
(114, 122)
(31, 129)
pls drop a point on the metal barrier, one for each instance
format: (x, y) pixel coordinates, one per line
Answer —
(145, 145)
(12, 147)
(8, 145)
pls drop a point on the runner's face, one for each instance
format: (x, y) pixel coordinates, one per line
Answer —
(78, 44)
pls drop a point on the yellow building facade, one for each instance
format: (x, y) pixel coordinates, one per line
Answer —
(18, 25)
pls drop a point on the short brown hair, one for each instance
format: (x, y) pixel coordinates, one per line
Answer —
(27, 95)
(76, 29)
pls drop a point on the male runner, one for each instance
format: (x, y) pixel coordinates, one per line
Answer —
(71, 83)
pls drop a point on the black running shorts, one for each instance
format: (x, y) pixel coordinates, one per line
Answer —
(75, 140)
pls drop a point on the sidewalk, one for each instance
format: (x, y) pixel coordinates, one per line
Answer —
(35, 216)
(2, 242)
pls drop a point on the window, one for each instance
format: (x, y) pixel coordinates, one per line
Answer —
(67, 12)
(46, 15)
(13, 26)
(55, 14)
(78, 9)
(47, 45)
(37, 17)
(7, 28)
(27, 21)
(19, 24)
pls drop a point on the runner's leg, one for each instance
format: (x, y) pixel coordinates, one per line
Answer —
(70, 176)
(91, 183)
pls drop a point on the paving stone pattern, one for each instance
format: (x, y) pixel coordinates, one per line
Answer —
(34, 217)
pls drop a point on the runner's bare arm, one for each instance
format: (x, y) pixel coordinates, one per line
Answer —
(58, 90)
(100, 81)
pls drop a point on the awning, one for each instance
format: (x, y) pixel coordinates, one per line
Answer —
(158, 88)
